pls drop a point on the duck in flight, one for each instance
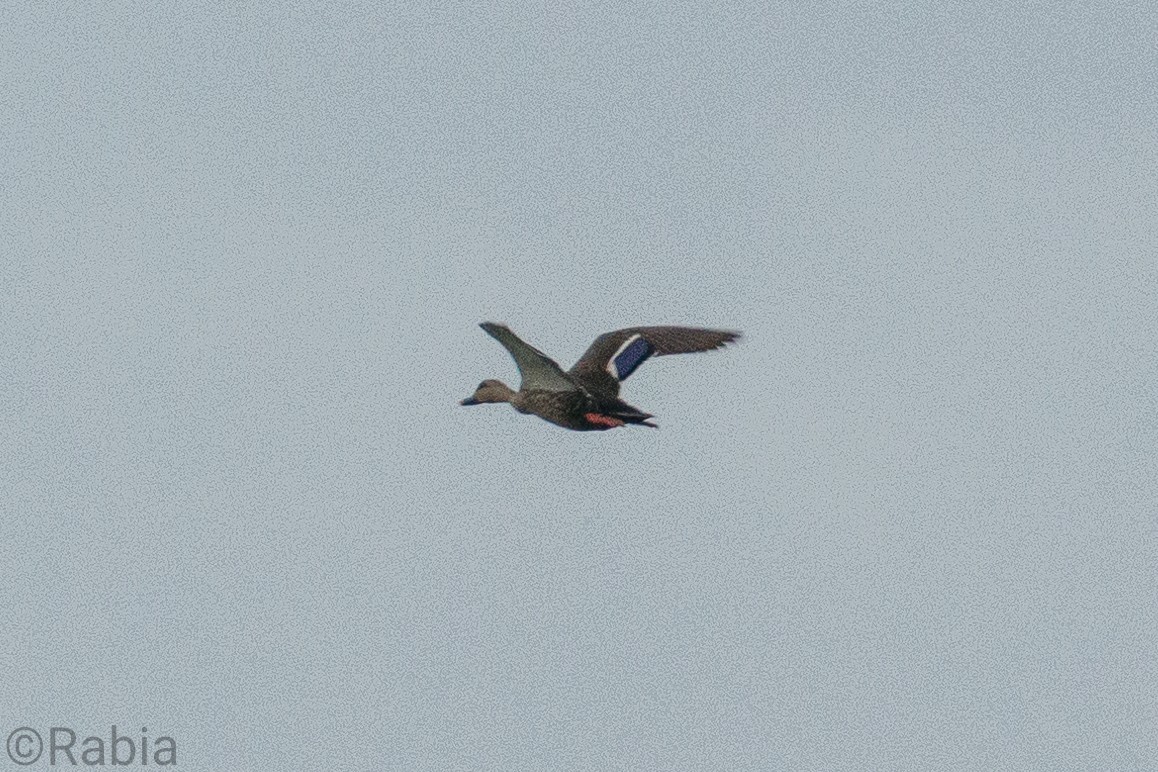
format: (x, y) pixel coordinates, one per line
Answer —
(586, 397)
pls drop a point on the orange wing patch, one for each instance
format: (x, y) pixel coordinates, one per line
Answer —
(602, 420)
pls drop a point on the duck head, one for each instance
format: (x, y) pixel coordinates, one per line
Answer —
(489, 391)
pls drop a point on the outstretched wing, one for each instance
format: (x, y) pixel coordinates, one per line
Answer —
(537, 369)
(615, 355)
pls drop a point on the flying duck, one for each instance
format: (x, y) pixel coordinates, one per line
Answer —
(586, 397)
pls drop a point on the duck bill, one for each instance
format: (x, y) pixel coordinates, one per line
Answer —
(469, 401)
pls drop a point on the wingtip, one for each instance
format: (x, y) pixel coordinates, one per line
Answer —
(491, 327)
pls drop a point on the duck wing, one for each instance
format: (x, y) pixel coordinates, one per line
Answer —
(538, 370)
(615, 355)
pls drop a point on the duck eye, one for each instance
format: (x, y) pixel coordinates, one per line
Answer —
(483, 385)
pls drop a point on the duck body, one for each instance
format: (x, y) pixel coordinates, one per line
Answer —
(579, 410)
(586, 397)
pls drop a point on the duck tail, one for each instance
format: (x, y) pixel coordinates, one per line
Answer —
(628, 413)
(637, 419)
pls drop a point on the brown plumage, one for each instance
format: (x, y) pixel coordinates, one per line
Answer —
(586, 398)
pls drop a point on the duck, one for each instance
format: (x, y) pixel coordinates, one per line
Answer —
(586, 397)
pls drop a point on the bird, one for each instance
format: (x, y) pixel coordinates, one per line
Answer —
(586, 397)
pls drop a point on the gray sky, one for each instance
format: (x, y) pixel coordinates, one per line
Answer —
(909, 523)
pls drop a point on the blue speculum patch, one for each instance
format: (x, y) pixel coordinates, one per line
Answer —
(630, 357)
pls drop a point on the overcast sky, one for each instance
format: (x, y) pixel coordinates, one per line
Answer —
(909, 523)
